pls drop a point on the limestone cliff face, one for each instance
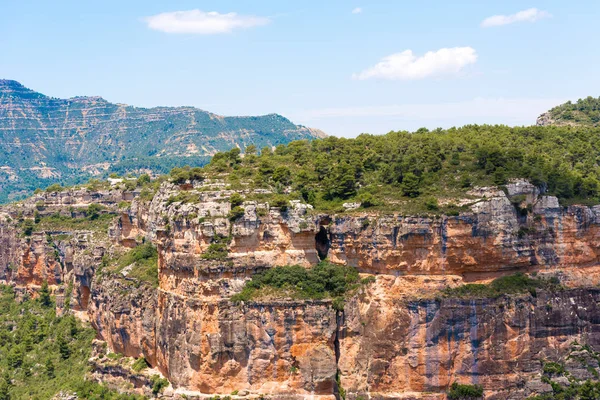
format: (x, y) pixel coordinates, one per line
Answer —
(392, 346)
(498, 234)
(394, 339)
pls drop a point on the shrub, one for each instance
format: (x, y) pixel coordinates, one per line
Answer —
(518, 283)
(93, 211)
(146, 194)
(553, 368)
(236, 213)
(324, 280)
(140, 364)
(280, 202)
(183, 197)
(145, 263)
(217, 250)
(143, 180)
(431, 203)
(236, 199)
(465, 392)
(27, 226)
(158, 384)
(367, 200)
(54, 188)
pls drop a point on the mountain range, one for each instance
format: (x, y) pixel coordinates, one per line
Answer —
(44, 140)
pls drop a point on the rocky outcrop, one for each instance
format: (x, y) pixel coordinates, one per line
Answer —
(395, 338)
(501, 232)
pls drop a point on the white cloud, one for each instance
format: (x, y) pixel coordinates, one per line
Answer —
(529, 15)
(202, 23)
(407, 66)
(357, 10)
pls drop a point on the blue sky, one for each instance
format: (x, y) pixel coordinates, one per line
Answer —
(342, 66)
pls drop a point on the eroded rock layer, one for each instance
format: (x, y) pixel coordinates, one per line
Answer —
(395, 338)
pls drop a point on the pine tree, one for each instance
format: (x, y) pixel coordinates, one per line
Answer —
(63, 347)
(5, 384)
(410, 185)
(4, 390)
(50, 369)
(45, 298)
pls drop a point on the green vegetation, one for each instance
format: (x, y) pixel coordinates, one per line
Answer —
(583, 112)
(518, 283)
(465, 392)
(181, 175)
(144, 146)
(140, 364)
(54, 188)
(554, 374)
(236, 213)
(144, 262)
(236, 200)
(324, 280)
(217, 250)
(183, 197)
(42, 354)
(158, 384)
(94, 218)
(412, 171)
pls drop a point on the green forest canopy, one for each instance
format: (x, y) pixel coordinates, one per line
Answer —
(401, 167)
(583, 112)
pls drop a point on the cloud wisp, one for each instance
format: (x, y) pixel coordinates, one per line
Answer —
(407, 66)
(476, 108)
(529, 15)
(202, 23)
(357, 10)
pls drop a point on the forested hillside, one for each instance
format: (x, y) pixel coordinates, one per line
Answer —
(583, 112)
(41, 353)
(44, 140)
(417, 170)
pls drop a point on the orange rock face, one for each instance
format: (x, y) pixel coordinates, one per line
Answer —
(394, 339)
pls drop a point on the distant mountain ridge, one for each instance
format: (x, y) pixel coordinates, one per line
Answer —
(45, 140)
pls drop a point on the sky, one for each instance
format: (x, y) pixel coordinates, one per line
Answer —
(346, 67)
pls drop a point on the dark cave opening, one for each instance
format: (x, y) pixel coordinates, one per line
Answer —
(322, 243)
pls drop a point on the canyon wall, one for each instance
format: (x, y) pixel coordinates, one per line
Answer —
(396, 336)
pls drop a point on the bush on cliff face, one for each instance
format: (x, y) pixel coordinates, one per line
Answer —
(140, 364)
(144, 262)
(324, 280)
(465, 392)
(42, 353)
(518, 283)
(96, 219)
(217, 250)
(577, 380)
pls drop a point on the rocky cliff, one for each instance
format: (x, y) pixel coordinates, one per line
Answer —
(44, 140)
(397, 335)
